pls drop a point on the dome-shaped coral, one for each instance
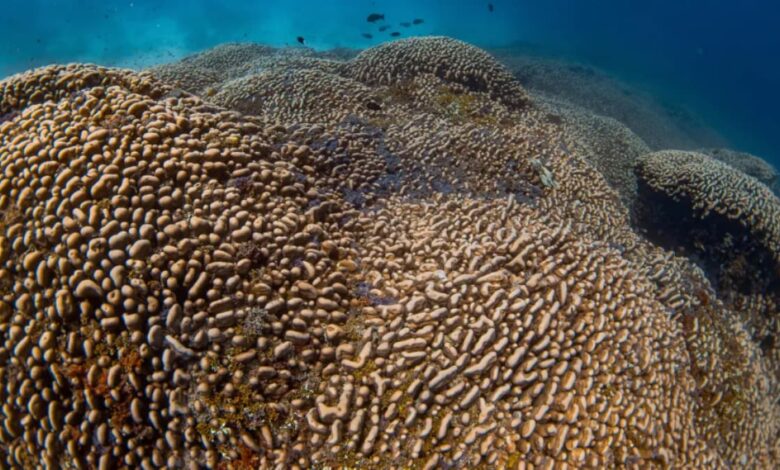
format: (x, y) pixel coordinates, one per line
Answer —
(607, 144)
(142, 245)
(748, 164)
(182, 285)
(205, 73)
(710, 188)
(294, 96)
(449, 59)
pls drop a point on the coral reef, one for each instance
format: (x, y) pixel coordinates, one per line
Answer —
(608, 145)
(203, 73)
(748, 164)
(302, 96)
(392, 259)
(714, 190)
(729, 223)
(449, 59)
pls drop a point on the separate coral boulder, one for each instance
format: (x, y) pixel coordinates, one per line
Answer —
(729, 224)
(730, 203)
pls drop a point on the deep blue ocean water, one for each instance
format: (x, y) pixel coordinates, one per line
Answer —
(717, 58)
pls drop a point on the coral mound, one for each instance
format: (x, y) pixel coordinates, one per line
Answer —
(608, 145)
(449, 59)
(56, 82)
(712, 188)
(344, 273)
(301, 96)
(132, 231)
(748, 164)
(730, 224)
(204, 73)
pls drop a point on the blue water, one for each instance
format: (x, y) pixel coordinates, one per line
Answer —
(717, 58)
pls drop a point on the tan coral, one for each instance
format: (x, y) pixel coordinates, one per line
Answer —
(295, 96)
(606, 143)
(141, 229)
(749, 164)
(513, 341)
(712, 187)
(434, 282)
(205, 73)
(736, 412)
(449, 59)
(741, 242)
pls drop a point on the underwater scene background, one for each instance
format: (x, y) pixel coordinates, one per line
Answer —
(714, 58)
(367, 234)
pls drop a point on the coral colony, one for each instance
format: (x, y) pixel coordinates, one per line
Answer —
(398, 258)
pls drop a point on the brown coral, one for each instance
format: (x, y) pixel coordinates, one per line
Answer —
(294, 96)
(449, 59)
(730, 222)
(749, 164)
(434, 282)
(204, 73)
(606, 143)
(129, 296)
(709, 188)
(506, 340)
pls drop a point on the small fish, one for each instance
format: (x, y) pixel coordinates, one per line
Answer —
(374, 17)
(384, 28)
(406, 24)
(418, 21)
(367, 36)
(300, 39)
(395, 34)
(490, 7)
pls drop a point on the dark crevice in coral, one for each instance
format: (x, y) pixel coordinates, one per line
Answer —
(725, 250)
(8, 116)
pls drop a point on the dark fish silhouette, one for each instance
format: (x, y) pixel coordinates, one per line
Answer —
(384, 28)
(490, 7)
(406, 24)
(300, 39)
(374, 17)
(367, 36)
(418, 21)
(395, 34)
